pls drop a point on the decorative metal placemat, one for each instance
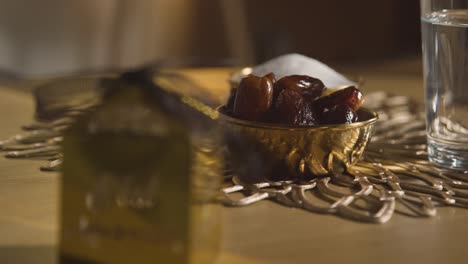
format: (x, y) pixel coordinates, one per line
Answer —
(393, 175)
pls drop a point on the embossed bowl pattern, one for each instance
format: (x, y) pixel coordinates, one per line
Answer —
(282, 152)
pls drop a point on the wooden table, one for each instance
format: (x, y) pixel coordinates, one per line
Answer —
(259, 233)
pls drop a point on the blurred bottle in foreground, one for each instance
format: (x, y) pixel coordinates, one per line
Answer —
(140, 177)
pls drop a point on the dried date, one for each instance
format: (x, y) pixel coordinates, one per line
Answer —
(338, 114)
(253, 98)
(292, 108)
(310, 88)
(350, 96)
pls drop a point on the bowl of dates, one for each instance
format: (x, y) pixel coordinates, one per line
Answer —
(293, 128)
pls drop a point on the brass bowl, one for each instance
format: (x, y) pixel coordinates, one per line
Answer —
(262, 151)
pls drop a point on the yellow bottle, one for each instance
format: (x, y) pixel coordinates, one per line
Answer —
(140, 177)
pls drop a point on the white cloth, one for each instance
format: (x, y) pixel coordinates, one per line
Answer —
(291, 64)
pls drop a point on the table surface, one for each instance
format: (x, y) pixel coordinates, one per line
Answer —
(261, 233)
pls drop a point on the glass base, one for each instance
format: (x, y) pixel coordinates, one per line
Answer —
(447, 155)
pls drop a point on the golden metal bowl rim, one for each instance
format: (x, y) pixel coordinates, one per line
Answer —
(271, 126)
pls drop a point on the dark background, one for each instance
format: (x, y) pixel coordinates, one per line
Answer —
(332, 30)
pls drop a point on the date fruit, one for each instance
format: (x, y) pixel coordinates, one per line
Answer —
(254, 97)
(230, 102)
(309, 87)
(272, 77)
(338, 114)
(292, 108)
(349, 96)
(293, 100)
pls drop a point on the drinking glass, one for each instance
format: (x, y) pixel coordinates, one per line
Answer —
(445, 57)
